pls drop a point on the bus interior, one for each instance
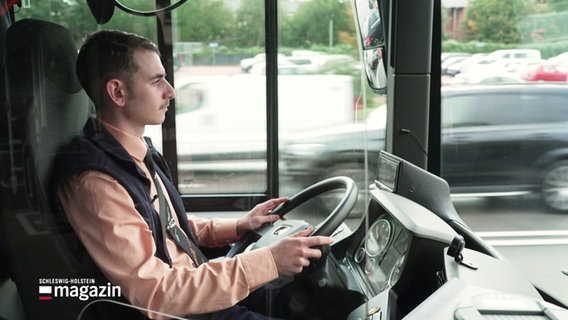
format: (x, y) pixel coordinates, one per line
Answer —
(337, 104)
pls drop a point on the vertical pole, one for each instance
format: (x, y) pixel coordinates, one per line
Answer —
(271, 45)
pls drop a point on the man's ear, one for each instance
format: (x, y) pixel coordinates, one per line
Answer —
(116, 92)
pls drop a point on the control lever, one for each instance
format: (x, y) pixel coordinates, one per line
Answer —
(455, 251)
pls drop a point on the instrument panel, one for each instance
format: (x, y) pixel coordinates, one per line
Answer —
(381, 254)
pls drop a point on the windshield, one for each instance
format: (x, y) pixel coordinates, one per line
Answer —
(500, 142)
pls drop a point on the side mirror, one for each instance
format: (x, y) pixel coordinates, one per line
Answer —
(370, 27)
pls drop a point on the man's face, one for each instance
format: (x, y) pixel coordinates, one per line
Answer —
(149, 93)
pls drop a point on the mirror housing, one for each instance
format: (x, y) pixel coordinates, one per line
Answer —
(371, 33)
(102, 10)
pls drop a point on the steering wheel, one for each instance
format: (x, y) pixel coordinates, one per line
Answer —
(280, 229)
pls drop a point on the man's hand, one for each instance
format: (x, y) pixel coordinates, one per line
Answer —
(259, 215)
(292, 254)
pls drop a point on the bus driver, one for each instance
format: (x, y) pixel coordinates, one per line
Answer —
(114, 198)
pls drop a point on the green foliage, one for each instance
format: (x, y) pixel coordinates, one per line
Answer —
(310, 25)
(250, 24)
(558, 5)
(545, 27)
(510, 24)
(473, 46)
(495, 21)
(137, 24)
(204, 21)
(56, 11)
(547, 50)
(210, 21)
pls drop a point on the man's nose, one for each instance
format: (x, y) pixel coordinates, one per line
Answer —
(171, 93)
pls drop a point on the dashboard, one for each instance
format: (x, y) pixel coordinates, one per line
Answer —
(408, 259)
(381, 254)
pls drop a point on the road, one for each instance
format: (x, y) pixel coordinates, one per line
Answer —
(531, 237)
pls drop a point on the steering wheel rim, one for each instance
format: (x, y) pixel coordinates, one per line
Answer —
(327, 227)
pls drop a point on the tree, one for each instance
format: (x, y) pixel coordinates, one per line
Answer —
(311, 23)
(495, 21)
(250, 23)
(558, 5)
(57, 11)
(134, 23)
(209, 21)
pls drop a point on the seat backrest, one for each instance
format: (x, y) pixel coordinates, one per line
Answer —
(45, 99)
(45, 105)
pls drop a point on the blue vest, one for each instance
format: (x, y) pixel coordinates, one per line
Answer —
(96, 149)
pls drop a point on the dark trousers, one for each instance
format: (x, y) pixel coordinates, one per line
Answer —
(262, 304)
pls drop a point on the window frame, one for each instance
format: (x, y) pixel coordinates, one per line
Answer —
(237, 201)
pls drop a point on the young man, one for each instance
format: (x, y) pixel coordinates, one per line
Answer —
(108, 194)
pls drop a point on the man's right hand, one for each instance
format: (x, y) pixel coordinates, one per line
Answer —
(293, 253)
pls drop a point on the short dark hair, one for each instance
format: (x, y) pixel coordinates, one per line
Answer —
(108, 54)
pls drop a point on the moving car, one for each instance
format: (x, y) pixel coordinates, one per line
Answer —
(497, 140)
(213, 146)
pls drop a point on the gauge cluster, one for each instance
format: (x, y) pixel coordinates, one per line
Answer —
(381, 254)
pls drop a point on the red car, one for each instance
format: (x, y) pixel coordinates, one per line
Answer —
(545, 72)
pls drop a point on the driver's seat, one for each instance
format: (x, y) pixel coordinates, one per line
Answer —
(45, 106)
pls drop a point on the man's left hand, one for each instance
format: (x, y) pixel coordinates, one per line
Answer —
(259, 215)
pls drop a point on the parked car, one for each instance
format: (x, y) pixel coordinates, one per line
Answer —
(247, 63)
(484, 77)
(474, 62)
(560, 58)
(545, 71)
(371, 27)
(311, 63)
(284, 68)
(496, 140)
(515, 54)
(375, 35)
(318, 63)
(449, 61)
(447, 55)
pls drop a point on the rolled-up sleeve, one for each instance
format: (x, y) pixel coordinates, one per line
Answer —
(122, 245)
(214, 232)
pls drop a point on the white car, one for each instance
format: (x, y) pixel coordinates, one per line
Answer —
(248, 63)
(284, 68)
(212, 144)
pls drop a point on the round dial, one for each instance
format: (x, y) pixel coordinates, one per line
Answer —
(378, 237)
(397, 270)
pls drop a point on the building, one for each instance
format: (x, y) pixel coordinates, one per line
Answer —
(455, 16)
